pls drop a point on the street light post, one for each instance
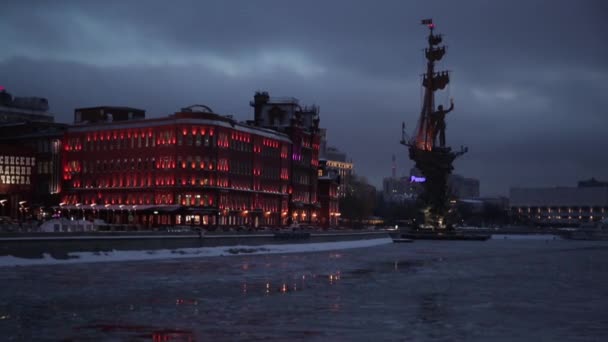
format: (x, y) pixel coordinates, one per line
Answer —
(93, 209)
(107, 206)
(155, 223)
(2, 202)
(78, 206)
(21, 212)
(121, 214)
(135, 214)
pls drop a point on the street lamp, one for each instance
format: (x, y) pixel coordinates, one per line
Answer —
(2, 201)
(93, 209)
(107, 206)
(22, 210)
(121, 206)
(134, 213)
(61, 209)
(78, 206)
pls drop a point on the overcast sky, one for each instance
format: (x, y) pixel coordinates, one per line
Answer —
(529, 77)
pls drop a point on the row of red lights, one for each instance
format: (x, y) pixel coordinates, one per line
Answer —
(241, 137)
(195, 130)
(118, 182)
(270, 143)
(128, 201)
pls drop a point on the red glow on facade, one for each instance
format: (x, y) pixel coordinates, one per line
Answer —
(206, 173)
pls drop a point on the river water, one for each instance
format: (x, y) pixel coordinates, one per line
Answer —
(530, 289)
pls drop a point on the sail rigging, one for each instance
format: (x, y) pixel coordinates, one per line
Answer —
(426, 130)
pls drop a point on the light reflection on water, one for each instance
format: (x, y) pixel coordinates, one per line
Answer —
(426, 291)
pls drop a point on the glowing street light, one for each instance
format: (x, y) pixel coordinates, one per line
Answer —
(2, 202)
(121, 207)
(78, 206)
(107, 206)
(22, 209)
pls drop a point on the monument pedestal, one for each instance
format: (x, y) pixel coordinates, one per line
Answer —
(436, 166)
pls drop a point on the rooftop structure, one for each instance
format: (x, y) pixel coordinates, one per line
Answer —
(107, 114)
(20, 109)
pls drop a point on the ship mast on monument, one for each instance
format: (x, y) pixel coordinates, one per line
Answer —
(427, 146)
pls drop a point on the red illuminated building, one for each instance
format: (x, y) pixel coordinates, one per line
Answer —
(196, 167)
(328, 198)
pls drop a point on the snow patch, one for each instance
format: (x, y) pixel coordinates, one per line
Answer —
(179, 253)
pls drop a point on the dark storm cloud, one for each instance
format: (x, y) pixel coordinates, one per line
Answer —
(528, 76)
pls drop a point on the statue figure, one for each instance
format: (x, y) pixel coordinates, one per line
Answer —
(438, 121)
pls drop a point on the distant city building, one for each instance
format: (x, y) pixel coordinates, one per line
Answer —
(329, 182)
(415, 183)
(461, 187)
(395, 189)
(338, 160)
(333, 158)
(398, 189)
(345, 171)
(587, 202)
(21, 109)
(26, 128)
(107, 114)
(499, 202)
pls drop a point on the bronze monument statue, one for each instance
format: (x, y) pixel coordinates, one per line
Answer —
(434, 160)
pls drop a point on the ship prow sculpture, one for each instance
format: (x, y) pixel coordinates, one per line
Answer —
(427, 146)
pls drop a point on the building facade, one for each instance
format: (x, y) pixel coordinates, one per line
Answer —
(333, 158)
(20, 109)
(560, 206)
(395, 189)
(26, 126)
(345, 173)
(329, 183)
(17, 178)
(195, 168)
(462, 187)
(107, 114)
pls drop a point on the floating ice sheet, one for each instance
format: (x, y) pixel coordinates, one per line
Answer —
(115, 255)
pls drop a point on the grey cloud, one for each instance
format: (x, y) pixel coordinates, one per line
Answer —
(528, 76)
